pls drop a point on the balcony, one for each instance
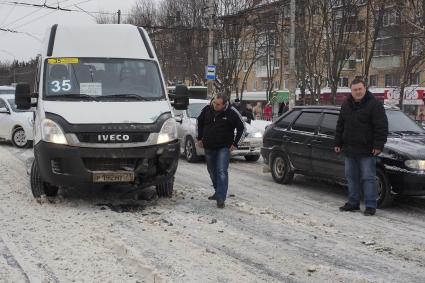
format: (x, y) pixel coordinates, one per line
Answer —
(261, 72)
(386, 62)
(349, 65)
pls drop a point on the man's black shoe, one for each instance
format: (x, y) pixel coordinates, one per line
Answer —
(220, 204)
(369, 211)
(213, 197)
(349, 207)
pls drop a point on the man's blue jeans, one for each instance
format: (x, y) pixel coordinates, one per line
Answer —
(218, 164)
(361, 173)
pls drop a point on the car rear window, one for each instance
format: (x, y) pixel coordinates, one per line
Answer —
(287, 120)
(328, 125)
(307, 122)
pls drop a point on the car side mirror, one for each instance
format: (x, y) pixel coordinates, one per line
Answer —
(179, 119)
(181, 98)
(23, 96)
(4, 110)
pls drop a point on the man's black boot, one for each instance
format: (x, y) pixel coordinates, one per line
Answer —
(349, 207)
(369, 211)
(220, 203)
(213, 197)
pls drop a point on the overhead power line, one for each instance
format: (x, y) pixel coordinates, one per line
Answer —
(49, 13)
(21, 32)
(8, 30)
(58, 8)
(37, 5)
(27, 15)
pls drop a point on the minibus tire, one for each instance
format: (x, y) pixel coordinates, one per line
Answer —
(38, 186)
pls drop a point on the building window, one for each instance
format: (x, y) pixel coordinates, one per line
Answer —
(265, 85)
(385, 47)
(287, 12)
(359, 54)
(416, 47)
(373, 81)
(343, 82)
(254, 85)
(245, 66)
(276, 63)
(360, 26)
(415, 79)
(276, 85)
(272, 39)
(347, 55)
(391, 18)
(392, 80)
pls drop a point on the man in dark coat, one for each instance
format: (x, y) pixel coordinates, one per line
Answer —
(248, 113)
(361, 134)
(216, 134)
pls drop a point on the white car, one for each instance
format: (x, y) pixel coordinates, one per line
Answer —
(15, 125)
(7, 89)
(186, 127)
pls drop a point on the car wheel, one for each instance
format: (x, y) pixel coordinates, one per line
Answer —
(281, 169)
(165, 189)
(38, 186)
(252, 158)
(190, 151)
(19, 138)
(385, 196)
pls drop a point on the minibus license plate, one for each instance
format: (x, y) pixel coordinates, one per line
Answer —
(113, 177)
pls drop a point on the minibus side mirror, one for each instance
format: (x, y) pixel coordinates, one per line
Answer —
(181, 98)
(23, 96)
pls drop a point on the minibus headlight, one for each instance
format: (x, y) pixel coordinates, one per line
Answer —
(52, 132)
(168, 131)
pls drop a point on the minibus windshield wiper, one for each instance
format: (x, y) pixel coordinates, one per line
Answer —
(123, 95)
(73, 96)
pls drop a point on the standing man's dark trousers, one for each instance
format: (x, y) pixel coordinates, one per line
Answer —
(361, 174)
(218, 165)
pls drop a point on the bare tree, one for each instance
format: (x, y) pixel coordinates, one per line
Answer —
(339, 18)
(413, 40)
(144, 14)
(233, 38)
(373, 30)
(106, 18)
(310, 50)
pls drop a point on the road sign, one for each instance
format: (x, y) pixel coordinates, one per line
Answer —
(210, 72)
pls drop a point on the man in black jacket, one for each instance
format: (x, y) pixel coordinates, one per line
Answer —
(361, 134)
(216, 134)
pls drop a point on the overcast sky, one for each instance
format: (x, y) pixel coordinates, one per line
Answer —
(35, 21)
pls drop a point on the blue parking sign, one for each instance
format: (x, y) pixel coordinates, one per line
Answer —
(210, 72)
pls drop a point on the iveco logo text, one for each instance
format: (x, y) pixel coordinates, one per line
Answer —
(113, 138)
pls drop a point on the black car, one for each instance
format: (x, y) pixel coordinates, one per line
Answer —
(302, 142)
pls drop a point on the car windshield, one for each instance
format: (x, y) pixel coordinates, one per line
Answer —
(398, 122)
(102, 79)
(13, 106)
(195, 109)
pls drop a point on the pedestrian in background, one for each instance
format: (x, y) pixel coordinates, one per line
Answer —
(268, 112)
(258, 111)
(248, 113)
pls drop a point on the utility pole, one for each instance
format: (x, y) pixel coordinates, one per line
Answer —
(292, 84)
(119, 16)
(210, 83)
(366, 49)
